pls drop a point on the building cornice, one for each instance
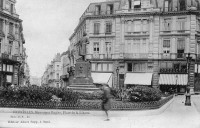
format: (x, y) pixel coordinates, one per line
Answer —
(10, 16)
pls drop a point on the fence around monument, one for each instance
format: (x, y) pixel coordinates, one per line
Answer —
(87, 105)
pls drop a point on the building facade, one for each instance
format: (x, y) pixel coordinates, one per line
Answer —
(12, 41)
(51, 76)
(142, 42)
(65, 66)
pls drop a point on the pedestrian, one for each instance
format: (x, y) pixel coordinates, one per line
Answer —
(106, 104)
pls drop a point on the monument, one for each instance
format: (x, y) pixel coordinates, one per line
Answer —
(80, 76)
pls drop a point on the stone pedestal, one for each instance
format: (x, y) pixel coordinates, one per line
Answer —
(81, 79)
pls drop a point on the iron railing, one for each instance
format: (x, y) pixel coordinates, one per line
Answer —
(161, 56)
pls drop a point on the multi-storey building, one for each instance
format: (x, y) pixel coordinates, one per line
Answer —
(65, 66)
(142, 42)
(11, 45)
(51, 76)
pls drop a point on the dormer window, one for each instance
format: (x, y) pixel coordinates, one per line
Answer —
(110, 9)
(137, 4)
(97, 10)
(182, 5)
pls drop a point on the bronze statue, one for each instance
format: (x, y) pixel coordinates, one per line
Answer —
(83, 46)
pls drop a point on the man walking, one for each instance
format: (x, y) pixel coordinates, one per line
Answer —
(106, 104)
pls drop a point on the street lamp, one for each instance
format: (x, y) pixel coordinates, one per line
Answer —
(117, 71)
(188, 95)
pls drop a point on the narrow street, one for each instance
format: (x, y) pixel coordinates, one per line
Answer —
(175, 115)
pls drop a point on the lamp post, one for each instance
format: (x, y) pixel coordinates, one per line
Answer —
(188, 95)
(176, 84)
(117, 71)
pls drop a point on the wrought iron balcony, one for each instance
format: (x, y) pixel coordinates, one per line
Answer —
(160, 56)
(172, 70)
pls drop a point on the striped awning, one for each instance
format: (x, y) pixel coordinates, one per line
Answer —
(173, 79)
(138, 78)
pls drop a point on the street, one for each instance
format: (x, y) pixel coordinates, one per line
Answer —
(173, 115)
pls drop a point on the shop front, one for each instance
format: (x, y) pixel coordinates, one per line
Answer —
(132, 79)
(173, 83)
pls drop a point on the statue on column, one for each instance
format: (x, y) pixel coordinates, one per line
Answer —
(83, 46)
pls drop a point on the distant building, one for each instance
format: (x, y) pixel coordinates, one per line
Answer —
(51, 76)
(34, 80)
(142, 42)
(65, 65)
(12, 54)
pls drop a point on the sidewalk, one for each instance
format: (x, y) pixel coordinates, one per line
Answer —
(173, 115)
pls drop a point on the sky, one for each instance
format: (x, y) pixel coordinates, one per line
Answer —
(47, 26)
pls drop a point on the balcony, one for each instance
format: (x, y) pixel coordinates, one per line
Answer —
(173, 56)
(8, 57)
(172, 70)
(136, 55)
(136, 10)
(160, 56)
(99, 56)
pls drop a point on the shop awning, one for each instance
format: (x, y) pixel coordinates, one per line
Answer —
(173, 79)
(102, 78)
(138, 78)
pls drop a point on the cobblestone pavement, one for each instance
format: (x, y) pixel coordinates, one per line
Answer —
(176, 115)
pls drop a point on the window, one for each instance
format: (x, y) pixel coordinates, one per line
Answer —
(9, 78)
(57, 67)
(96, 47)
(57, 75)
(96, 28)
(166, 46)
(145, 26)
(11, 28)
(9, 68)
(97, 10)
(10, 47)
(17, 48)
(181, 24)
(105, 67)
(129, 4)
(108, 47)
(168, 5)
(99, 67)
(129, 67)
(1, 3)
(137, 4)
(143, 46)
(139, 67)
(93, 66)
(180, 48)
(17, 31)
(167, 24)
(182, 5)
(110, 9)
(1, 25)
(108, 28)
(8, 6)
(0, 45)
(137, 26)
